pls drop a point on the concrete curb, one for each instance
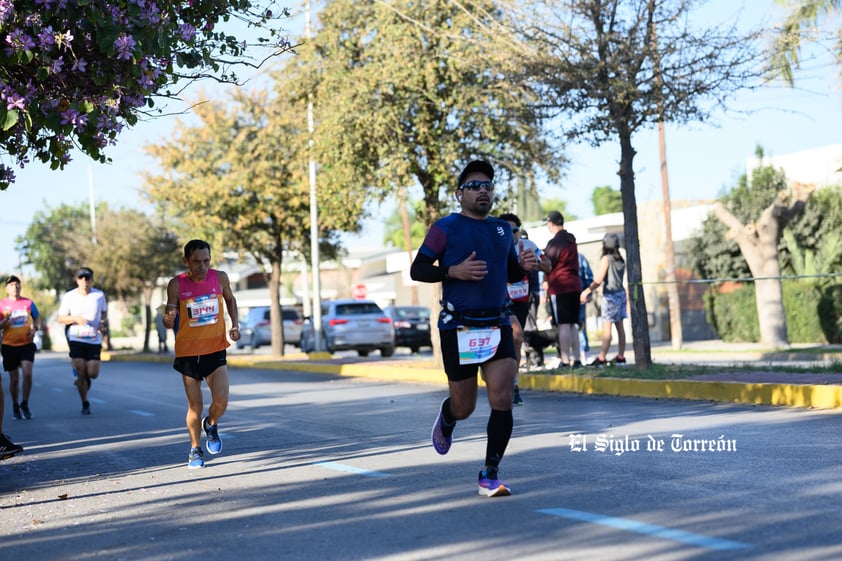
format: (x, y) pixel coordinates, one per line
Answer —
(819, 396)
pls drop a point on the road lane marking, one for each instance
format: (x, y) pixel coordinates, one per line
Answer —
(351, 469)
(141, 413)
(647, 529)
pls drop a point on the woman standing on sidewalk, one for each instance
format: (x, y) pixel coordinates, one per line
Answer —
(612, 267)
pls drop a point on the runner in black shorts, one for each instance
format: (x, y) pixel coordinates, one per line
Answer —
(200, 367)
(474, 256)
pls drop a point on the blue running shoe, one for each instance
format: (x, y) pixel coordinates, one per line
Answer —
(195, 459)
(441, 442)
(213, 443)
(490, 486)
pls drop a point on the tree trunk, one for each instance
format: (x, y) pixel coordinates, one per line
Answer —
(637, 301)
(758, 243)
(275, 314)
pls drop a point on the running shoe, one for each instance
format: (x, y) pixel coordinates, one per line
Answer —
(8, 448)
(213, 443)
(24, 408)
(490, 486)
(441, 442)
(620, 360)
(195, 459)
(86, 408)
(516, 399)
(577, 365)
(599, 362)
(16, 411)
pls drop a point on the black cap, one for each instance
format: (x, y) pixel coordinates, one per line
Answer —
(480, 166)
(611, 241)
(555, 217)
(11, 279)
(84, 272)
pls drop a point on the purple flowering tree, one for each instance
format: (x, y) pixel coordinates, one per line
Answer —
(73, 73)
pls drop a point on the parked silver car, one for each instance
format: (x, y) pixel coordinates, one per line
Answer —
(358, 325)
(255, 329)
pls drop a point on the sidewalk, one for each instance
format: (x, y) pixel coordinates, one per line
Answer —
(756, 387)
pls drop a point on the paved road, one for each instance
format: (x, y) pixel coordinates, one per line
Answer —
(316, 467)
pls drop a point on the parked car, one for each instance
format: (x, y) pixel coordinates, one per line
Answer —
(358, 325)
(255, 329)
(412, 326)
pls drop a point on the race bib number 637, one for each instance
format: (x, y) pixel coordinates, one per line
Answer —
(477, 344)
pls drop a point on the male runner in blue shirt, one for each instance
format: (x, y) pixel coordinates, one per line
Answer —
(476, 258)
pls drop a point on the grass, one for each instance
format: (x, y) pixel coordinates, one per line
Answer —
(689, 370)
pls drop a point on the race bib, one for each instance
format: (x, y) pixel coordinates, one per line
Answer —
(19, 318)
(477, 344)
(86, 331)
(519, 291)
(203, 310)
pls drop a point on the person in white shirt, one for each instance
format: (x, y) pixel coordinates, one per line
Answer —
(84, 310)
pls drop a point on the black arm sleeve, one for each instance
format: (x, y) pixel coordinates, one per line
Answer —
(515, 272)
(424, 269)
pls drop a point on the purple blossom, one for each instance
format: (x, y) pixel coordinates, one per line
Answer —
(14, 101)
(73, 117)
(186, 32)
(18, 40)
(7, 8)
(79, 65)
(124, 45)
(57, 65)
(6, 174)
(46, 38)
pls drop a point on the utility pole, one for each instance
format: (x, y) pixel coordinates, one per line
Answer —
(676, 334)
(314, 211)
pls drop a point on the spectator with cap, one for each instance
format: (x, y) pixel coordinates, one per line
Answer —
(564, 288)
(19, 323)
(612, 267)
(84, 310)
(474, 256)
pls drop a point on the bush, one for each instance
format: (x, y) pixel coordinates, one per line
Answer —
(812, 313)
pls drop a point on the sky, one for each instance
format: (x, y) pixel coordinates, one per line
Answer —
(702, 159)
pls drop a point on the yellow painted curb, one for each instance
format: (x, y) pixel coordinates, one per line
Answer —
(789, 395)
(819, 396)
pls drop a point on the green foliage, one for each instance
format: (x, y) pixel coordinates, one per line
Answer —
(733, 315)
(127, 256)
(74, 73)
(407, 92)
(798, 27)
(238, 178)
(713, 253)
(830, 313)
(812, 243)
(606, 200)
(394, 229)
(812, 314)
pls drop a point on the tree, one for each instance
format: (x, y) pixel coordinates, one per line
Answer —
(128, 252)
(614, 67)
(407, 92)
(801, 25)
(606, 200)
(238, 178)
(74, 73)
(752, 218)
(394, 228)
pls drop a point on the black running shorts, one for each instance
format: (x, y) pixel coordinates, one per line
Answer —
(450, 353)
(85, 351)
(14, 355)
(201, 366)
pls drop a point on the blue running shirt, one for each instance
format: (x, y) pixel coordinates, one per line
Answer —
(451, 240)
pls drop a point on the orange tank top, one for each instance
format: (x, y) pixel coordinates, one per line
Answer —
(201, 319)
